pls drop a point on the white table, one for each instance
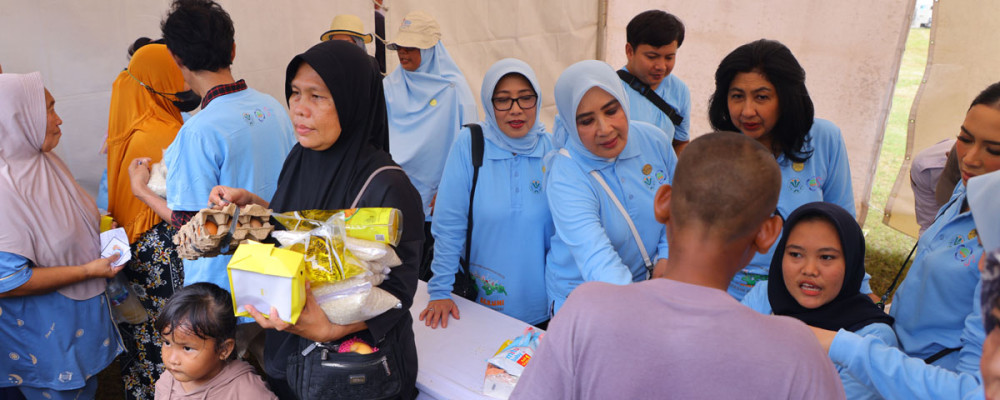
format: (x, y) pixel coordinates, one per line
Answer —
(453, 361)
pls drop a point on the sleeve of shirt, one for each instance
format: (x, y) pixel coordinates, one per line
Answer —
(392, 189)
(837, 189)
(894, 374)
(450, 221)
(14, 271)
(576, 215)
(757, 299)
(550, 373)
(682, 132)
(192, 161)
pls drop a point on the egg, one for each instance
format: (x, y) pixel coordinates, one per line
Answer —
(255, 223)
(211, 227)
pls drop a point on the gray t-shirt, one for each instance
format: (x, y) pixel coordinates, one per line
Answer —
(667, 339)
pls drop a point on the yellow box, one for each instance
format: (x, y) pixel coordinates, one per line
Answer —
(106, 222)
(264, 276)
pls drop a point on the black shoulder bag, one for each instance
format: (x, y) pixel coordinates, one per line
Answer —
(650, 95)
(465, 283)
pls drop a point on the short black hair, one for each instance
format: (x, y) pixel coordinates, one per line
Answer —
(655, 28)
(204, 309)
(776, 63)
(988, 97)
(200, 33)
(139, 43)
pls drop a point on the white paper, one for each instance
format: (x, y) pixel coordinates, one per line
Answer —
(262, 292)
(113, 242)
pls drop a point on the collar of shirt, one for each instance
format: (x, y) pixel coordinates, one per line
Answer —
(222, 90)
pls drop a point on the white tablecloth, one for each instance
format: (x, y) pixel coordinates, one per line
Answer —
(453, 361)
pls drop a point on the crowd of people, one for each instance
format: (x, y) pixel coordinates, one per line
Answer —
(660, 264)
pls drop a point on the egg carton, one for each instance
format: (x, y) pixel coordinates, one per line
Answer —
(205, 233)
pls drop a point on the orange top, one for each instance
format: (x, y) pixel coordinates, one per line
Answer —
(141, 124)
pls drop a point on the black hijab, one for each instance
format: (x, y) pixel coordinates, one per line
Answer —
(851, 309)
(332, 178)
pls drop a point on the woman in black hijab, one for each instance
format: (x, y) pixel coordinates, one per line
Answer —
(816, 276)
(336, 104)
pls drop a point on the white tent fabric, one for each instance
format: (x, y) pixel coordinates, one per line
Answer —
(80, 46)
(964, 52)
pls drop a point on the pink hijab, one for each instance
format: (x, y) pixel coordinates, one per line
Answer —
(46, 216)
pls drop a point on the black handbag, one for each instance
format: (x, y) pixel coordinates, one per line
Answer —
(465, 283)
(318, 371)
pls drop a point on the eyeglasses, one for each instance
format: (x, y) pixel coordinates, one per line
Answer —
(506, 103)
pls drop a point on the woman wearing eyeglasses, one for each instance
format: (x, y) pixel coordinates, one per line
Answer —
(512, 225)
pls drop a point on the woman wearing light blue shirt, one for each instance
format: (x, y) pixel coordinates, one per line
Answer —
(512, 224)
(760, 91)
(593, 240)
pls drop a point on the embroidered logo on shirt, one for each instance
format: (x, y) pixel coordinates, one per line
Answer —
(434, 102)
(646, 169)
(536, 186)
(648, 181)
(795, 185)
(259, 114)
(661, 178)
(798, 167)
(813, 183)
(248, 119)
(963, 254)
(973, 234)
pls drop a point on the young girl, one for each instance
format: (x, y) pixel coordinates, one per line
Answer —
(198, 330)
(816, 275)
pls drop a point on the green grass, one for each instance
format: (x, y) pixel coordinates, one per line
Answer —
(887, 247)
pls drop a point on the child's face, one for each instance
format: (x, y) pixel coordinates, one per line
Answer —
(813, 264)
(989, 365)
(192, 360)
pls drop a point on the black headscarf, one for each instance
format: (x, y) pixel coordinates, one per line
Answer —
(332, 178)
(851, 309)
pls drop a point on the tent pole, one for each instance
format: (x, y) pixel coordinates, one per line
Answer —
(602, 26)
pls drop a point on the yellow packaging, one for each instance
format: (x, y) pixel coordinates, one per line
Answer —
(106, 222)
(378, 224)
(264, 276)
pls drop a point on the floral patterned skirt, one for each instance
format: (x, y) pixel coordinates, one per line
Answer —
(156, 272)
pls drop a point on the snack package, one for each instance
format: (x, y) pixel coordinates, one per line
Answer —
(506, 366)
(383, 225)
(158, 179)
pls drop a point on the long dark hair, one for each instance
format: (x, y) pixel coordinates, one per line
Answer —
(776, 63)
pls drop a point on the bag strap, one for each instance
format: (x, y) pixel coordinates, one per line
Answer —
(370, 177)
(621, 209)
(477, 161)
(902, 267)
(633, 82)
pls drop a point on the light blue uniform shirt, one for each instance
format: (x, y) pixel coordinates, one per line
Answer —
(50, 340)
(825, 176)
(933, 301)
(511, 232)
(897, 375)
(239, 140)
(758, 300)
(675, 92)
(593, 241)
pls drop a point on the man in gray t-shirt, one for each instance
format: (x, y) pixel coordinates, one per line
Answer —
(684, 336)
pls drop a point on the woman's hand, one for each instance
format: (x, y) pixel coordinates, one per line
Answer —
(438, 310)
(138, 173)
(312, 323)
(101, 267)
(223, 195)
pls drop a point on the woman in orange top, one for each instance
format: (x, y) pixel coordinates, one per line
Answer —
(145, 116)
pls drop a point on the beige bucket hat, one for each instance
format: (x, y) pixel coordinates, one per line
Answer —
(346, 24)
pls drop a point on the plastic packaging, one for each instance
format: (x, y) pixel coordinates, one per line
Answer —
(353, 300)
(379, 224)
(506, 366)
(158, 179)
(124, 303)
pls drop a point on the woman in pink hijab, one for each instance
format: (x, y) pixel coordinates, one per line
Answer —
(56, 331)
